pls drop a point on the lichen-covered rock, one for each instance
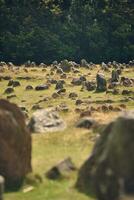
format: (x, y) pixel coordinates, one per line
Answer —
(46, 120)
(110, 168)
(15, 145)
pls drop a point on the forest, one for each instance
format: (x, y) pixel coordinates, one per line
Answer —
(48, 30)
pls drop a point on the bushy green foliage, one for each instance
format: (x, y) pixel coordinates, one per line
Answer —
(47, 30)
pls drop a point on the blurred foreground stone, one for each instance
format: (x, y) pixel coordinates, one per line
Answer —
(15, 145)
(109, 171)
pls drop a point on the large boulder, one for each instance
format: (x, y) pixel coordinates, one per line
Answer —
(109, 170)
(15, 145)
(46, 120)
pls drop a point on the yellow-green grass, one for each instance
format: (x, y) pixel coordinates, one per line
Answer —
(50, 148)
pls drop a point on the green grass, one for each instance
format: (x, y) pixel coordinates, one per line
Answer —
(50, 148)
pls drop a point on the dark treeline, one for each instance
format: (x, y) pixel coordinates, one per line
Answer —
(48, 30)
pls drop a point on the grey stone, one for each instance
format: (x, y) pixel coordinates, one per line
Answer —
(46, 120)
(76, 81)
(9, 90)
(86, 122)
(59, 85)
(101, 83)
(115, 76)
(61, 169)
(29, 87)
(66, 66)
(42, 87)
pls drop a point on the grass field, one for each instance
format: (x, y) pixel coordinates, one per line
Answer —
(50, 148)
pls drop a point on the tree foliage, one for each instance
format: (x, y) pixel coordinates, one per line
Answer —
(47, 30)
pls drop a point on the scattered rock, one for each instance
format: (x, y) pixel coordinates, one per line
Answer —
(61, 169)
(29, 87)
(115, 76)
(61, 91)
(126, 92)
(76, 81)
(11, 96)
(55, 95)
(59, 85)
(41, 87)
(78, 102)
(16, 83)
(86, 122)
(9, 90)
(66, 66)
(101, 83)
(36, 107)
(73, 95)
(46, 120)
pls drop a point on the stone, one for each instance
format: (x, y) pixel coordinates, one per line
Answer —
(76, 81)
(62, 108)
(86, 122)
(11, 96)
(61, 169)
(83, 78)
(127, 82)
(28, 63)
(73, 95)
(36, 107)
(84, 64)
(15, 145)
(115, 91)
(101, 83)
(33, 64)
(7, 78)
(46, 120)
(104, 67)
(126, 92)
(115, 76)
(55, 95)
(64, 76)
(41, 87)
(61, 91)
(66, 66)
(9, 90)
(10, 83)
(78, 102)
(52, 81)
(29, 87)
(108, 171)
(85, 113)
(59, 70)
(59, 85)
(16, 83)
(89, 86)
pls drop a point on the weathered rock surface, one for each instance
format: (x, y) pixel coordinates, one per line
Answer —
(42, 87)
(61, 169)
(15, 145)
(86, 122)
(110, 168)
(101, 83)
(46, 120)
